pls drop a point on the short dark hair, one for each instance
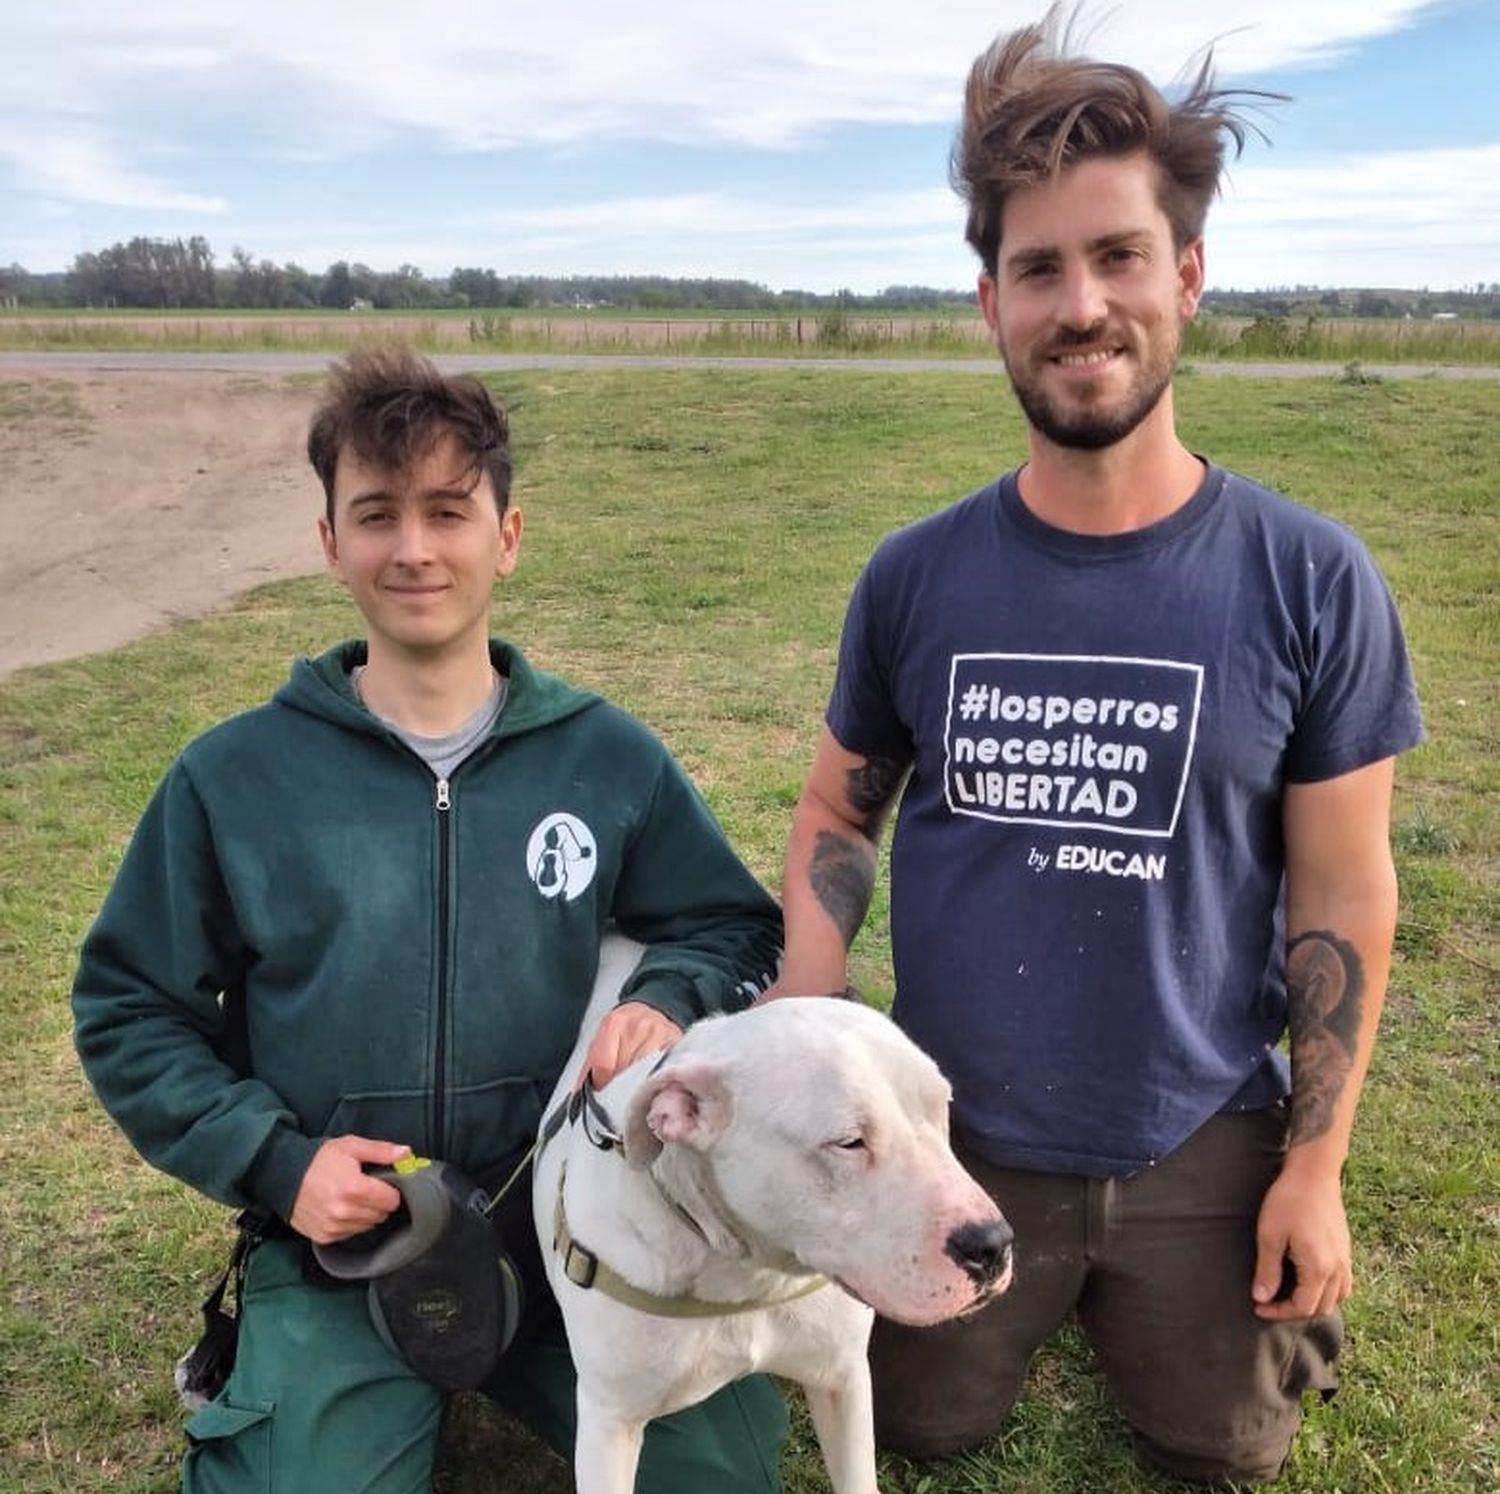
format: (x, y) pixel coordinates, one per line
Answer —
(388, 405)
(1031, 111)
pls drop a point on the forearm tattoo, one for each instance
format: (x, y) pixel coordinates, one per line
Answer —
(842, 874)
(870, 788)
(1325, 982)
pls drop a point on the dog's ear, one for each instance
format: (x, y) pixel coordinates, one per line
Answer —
(687, 1103)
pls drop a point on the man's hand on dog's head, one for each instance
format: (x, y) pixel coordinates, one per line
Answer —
(630, 1031)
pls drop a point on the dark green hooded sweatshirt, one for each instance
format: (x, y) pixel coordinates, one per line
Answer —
(310, 935)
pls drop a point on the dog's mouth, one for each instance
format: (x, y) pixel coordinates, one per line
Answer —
(983, 1296)
(987, 1294)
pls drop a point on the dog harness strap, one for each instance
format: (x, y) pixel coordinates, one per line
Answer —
(597, 1126)
(582, 1102)
(584, 1269)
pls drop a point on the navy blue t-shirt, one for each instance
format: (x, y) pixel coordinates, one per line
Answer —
(1087, 864)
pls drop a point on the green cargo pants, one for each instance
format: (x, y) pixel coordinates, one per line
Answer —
(317, 1402)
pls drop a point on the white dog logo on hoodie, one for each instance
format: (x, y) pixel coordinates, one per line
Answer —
(560, 856)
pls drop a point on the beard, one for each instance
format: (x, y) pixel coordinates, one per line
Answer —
(1092, 427)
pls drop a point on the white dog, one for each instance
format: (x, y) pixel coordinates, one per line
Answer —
(757, 1191)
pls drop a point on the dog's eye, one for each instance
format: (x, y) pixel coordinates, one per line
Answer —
(850, 1144)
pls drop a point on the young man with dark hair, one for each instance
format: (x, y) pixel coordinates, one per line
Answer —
(1146, 713)
(363, 921)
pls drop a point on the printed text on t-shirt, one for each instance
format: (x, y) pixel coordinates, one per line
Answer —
(1078, 742)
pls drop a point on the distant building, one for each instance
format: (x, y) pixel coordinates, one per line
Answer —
(1445, 316)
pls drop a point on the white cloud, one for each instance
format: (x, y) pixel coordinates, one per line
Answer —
(80, 168)
(1349, 219)
(740, 216)
(1389, 188)
(1361, 220)
(734, 235)
(479, 76)
(1393, 218)
(109, 107)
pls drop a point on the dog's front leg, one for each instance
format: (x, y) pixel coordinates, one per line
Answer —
(606, 1450)
(843, 1416)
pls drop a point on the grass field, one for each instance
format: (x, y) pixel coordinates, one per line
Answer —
(691, 538)
(831, 333)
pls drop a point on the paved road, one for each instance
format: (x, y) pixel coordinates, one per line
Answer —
(167, 362)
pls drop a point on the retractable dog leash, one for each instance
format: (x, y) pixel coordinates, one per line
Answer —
(444, 1291)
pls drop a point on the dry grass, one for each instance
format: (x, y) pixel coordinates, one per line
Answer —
(849, 334)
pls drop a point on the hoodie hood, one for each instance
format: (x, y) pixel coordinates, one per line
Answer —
(324, 687)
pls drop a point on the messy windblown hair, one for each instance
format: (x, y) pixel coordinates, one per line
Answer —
(1031, 111)
(389, 407)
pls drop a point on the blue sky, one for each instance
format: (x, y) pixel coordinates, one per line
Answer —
(796, 143)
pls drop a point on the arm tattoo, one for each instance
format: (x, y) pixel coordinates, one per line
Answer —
(871, 787)
(1325, 982)
(842, 874)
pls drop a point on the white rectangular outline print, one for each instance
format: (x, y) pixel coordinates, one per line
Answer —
(1196, 670)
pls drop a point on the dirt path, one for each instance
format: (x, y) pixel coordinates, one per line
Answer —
(140, 489)
(130, 500)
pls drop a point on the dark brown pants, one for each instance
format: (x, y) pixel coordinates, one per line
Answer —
(1158, 1269)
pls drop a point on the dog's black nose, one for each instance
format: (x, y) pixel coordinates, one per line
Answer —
(983, 1250)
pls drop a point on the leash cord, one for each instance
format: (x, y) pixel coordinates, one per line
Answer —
(499, 1195)
(582, 1102)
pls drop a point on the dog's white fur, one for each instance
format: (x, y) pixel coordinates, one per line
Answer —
(805, 1137)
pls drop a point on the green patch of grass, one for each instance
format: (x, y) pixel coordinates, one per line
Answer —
(51, 403)
(691, 540)
(38, 399)
(1423, 835)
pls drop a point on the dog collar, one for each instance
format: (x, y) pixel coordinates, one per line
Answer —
(584, 1269)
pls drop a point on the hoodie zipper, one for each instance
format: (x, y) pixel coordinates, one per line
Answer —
(442, 804)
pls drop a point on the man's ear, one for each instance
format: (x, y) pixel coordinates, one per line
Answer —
(330, 544)
(989, 300)
(687, 1103)
(1191, 277)
(510, 541)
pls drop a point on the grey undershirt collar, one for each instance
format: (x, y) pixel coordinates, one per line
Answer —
(444, 753)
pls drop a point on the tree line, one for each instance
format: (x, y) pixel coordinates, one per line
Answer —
(177, 274)
(1477, 301)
